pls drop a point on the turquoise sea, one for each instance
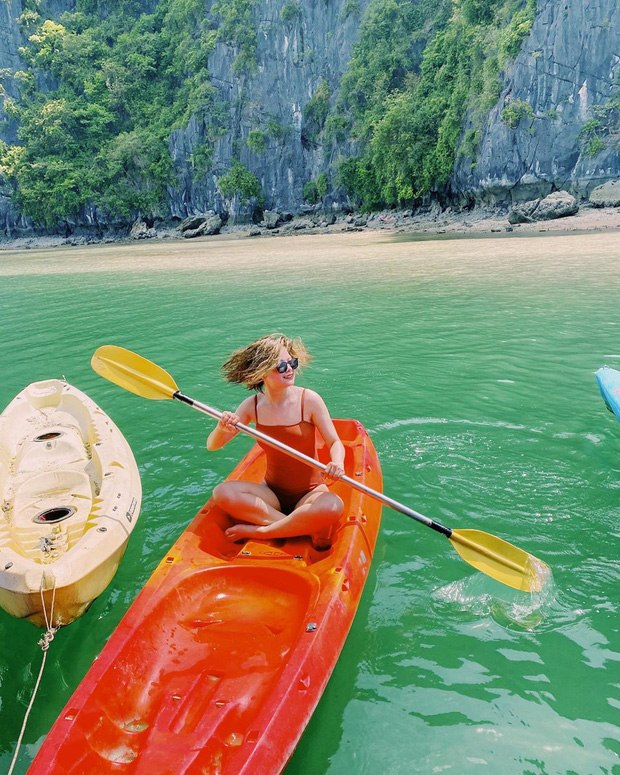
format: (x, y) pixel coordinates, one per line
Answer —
(470, 362)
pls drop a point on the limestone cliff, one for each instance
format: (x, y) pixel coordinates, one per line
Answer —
(568, 64)
(293, 59)
(10, 41)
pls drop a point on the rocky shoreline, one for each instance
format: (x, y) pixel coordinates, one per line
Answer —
(556, 213)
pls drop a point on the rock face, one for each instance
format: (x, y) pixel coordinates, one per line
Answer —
(10, 41)
(607, 195)
(201, 226)
(271, 218)
(293, 59)
(557, 205)
(566, 65)
(141, 230)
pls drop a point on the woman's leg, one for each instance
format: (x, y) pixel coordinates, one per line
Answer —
(248, 501)
(314, 515)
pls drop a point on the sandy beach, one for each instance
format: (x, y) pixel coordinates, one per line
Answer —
(477, 222)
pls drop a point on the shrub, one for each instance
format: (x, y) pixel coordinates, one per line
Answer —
(257, 141)
(322, 185)
(239, 180)
(310, 193)
(594, 145)
(351, 8)
(277, 130)
(515, 111)
(512, 36)
(290, 12)
(315, 113)
(317, 107)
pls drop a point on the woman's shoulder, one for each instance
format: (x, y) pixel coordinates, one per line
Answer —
(312, 399)
(246, 407)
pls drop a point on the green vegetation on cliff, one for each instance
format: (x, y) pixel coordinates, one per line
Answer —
(603, 129)
(418, 72)
(108, 83)
(103, 92)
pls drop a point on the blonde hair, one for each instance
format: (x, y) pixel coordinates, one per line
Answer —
(249, 365)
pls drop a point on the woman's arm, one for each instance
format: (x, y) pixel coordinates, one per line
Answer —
(319, 415)
(225, 429)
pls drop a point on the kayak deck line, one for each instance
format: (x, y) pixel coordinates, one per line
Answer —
(221, 660)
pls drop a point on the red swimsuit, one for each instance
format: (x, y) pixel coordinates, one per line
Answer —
(288, 478)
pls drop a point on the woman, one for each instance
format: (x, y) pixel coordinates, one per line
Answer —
(294, 498)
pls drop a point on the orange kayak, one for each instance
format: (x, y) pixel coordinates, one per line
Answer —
(219, 663)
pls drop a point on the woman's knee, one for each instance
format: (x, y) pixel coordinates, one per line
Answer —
(332, 506)
(224, 494)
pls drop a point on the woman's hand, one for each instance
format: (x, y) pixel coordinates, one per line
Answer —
(228, 422)
(226, 428)
(333, 472)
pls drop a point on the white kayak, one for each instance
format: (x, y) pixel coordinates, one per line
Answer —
(71, 495)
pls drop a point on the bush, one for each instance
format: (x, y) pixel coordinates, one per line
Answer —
(515, 111)
(512, 36)
(594, 145)
(290, 12)
(317, 107)
(315, 190)
(237, 28)
(479, 11)
(276, 130)
(310, 193)
(322, 185)
(257, 141)
(351, 8)
(239, 180)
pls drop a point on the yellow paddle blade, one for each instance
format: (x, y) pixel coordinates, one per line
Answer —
(133, 372)
(500, 560)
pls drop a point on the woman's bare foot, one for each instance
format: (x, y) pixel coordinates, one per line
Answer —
(239, 532)
(322, 540)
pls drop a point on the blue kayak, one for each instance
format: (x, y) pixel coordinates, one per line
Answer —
(609, 384)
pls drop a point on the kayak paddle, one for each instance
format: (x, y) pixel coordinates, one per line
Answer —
(487, 553)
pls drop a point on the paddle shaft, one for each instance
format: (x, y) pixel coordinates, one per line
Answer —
(209, 410)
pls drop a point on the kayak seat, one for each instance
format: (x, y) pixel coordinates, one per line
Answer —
(235, 626)
(56, 446)
(59, 501)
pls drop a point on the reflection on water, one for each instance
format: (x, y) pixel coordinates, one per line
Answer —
(471, 363)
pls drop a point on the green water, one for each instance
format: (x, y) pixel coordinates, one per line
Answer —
(471, 364)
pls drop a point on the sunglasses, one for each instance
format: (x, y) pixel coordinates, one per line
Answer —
(283, 365)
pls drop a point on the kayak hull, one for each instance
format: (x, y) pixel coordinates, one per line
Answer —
(608, 380)
(225, 653)
(71, 496)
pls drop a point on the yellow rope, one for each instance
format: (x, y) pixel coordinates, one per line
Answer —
(45, 641)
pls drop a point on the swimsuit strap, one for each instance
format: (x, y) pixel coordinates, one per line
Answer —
(303, 396)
